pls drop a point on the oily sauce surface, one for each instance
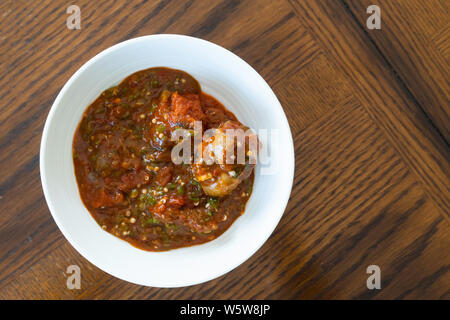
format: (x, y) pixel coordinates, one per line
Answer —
(123, 167)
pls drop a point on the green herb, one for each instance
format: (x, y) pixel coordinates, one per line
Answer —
(180, 190)
(93, 158)
(150, 200)
(171, 185)
(213, 202)
(171, 226)
(86, 136)
(142, 206)
(145, 150)
(239, 170)
(194, 197)
(134, 193)
(151, 220)
(196, 183)
(161, 128)
(125, 115)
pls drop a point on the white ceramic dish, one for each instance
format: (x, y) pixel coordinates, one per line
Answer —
(229, 79)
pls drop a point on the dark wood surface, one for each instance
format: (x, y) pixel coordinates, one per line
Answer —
(369, 114)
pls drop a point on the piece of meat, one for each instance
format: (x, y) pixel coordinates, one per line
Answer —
(176, 201)
(185, 109)
(106, 198)
(131, 180)
(164, 176)
(193, 218)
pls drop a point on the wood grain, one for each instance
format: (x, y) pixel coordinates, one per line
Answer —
(371, 181)
(376, 85)
(413, 45)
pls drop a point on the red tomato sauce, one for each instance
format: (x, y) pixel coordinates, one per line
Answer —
(123, 167)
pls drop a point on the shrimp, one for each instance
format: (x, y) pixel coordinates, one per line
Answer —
(228, 156)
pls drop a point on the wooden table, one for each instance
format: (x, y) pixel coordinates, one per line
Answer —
(369, 114)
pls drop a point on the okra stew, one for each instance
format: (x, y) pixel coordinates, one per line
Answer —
(124, 170)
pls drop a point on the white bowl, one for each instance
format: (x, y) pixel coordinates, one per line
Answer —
(225, 76)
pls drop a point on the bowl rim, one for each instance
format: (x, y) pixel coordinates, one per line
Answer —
(290, 161)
